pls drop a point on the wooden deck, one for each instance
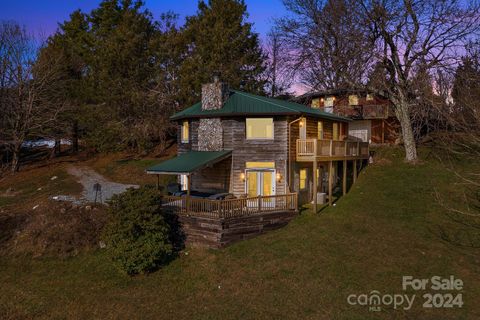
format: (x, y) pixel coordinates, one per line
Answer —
(331, 150)
(219, 209)
(218, 223)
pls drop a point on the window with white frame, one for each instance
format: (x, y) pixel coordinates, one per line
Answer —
(184, 182)
(328, 104)
(185, 132)
(259, 128)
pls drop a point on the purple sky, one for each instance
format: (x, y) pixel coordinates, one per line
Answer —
(42, 16)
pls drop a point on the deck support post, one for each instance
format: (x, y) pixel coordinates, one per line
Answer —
(330, 183)
(158, 182)
(315, 185)
(354, 171)
(344, 187)
(189, 186)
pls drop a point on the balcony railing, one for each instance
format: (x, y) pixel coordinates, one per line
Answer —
(368, 111)
(218, 209)
(308, 148)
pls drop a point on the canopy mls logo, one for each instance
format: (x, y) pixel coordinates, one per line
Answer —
(446, 294)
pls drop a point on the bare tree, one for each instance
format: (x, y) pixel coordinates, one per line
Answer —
(462, 141)
(30, 101)
(327, 42)
(278, 73)
(410, 33)
(339, 46)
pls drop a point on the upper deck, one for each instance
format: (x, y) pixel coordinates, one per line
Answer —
(330, 150)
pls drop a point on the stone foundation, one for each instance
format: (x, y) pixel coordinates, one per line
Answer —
(218, 233)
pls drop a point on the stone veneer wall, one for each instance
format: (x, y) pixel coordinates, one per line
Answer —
(214, 95)
(210, 131)
(210, 134)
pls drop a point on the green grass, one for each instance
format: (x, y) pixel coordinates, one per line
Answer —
(386, 227)
(131, 171)
(36, 185)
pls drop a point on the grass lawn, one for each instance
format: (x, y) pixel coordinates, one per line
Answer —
(386, 227)
(128, 170)
(33, 186)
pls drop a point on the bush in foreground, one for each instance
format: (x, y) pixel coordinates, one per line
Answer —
(138, 236)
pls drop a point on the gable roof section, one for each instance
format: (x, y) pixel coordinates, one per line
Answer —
(245, 104)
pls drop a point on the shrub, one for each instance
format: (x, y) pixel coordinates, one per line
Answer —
(139, 235)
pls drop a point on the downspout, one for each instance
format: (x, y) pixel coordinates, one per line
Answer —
(288, 151)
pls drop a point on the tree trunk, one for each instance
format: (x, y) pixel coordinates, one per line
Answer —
(16, 158)
(403, 116)
(75, 136)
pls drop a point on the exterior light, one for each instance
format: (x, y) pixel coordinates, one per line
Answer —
(242, 176)
(279, 177)
(301, 123)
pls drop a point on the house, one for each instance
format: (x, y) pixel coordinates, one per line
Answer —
(261, 152)
(373, 118)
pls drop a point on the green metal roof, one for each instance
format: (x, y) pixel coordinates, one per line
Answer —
(189, 162)
(246, 104)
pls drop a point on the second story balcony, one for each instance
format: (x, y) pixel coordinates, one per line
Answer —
(328, 150)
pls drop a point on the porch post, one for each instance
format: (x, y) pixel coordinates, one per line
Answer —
(315, 181)
(354, 171)
(330, 183)
(158, 182)
(189, 185)
(344, 177)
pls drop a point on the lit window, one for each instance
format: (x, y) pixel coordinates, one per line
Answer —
(320, 130)
(335, 131)
(184, 181)
(258, 164)
(328, 103)
(315, 103)
(185, 132)
(369, 97)
(259, 128)
(303, 179)
(353, 100)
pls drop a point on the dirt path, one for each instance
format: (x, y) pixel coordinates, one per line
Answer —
(88, 178)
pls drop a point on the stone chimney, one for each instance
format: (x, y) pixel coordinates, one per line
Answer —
(210, 130)
(214, 94)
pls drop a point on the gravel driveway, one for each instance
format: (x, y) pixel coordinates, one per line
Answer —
(88, 178)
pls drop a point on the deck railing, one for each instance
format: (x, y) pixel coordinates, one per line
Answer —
(231, 207)
(332, 148)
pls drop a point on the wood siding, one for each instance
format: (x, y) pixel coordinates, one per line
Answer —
(255, 150)
(214, 179)
(226, 176)
(218, 233)
(193, 138)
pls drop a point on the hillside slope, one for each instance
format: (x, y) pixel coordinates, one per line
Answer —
(387, 226)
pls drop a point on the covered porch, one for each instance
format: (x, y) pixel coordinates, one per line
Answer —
(220, 219)
(206, 189)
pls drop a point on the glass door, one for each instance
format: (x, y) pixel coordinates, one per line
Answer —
(261, 183)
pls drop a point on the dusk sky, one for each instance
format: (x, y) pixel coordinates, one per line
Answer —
(42, 16)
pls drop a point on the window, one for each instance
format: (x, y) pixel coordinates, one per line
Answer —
(315, 103)
(335, 131)
(258, 164)
(259, 128)
(369, 97)
(185, 132)
(320, 130)
(328, 103)
(353, 100)
(302, 126)
(303, 179)
(184, 181)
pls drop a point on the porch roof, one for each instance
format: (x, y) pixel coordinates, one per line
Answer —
(189, 162)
